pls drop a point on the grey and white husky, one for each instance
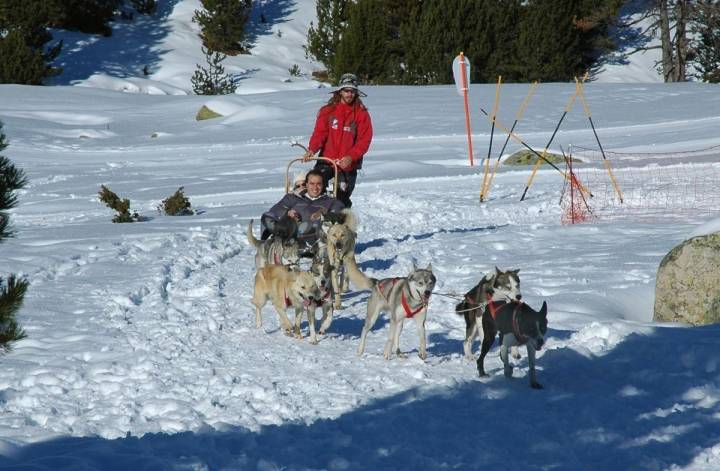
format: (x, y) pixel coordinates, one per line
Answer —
(496, 286)
(322, 272)
(518, 324)
(400, 298)
(274, 251)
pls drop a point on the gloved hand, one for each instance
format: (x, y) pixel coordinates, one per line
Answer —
(307, 156)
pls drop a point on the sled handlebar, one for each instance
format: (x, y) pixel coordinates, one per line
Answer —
(301, 159)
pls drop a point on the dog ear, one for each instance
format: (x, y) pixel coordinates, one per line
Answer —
(497, 270)
(515, 271)
(429, 267)
(543, 310)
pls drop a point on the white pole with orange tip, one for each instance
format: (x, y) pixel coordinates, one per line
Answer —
(461, 73)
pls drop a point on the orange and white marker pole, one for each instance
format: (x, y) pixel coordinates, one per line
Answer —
(461, 67)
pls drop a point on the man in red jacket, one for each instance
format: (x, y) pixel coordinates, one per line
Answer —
(343, 132)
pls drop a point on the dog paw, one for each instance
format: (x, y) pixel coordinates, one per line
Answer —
(536, 385)
(508, 370)
(482, 374)
(313, 341)
(422, 355)
(321, 332)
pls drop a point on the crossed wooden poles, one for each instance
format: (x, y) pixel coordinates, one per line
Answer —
(541, 157)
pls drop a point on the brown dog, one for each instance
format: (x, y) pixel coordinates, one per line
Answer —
(286, 288)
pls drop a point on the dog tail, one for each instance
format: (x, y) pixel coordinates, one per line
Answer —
(350, 220)
(461, 307)
(251, 238)
(358, 278)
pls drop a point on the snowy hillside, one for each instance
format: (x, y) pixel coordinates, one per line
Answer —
(142, 351)
(167, 43)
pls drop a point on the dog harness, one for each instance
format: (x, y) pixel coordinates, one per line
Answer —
(491, 306)
(324, 298)
(381, 286)
(288, 302)
(409, 313)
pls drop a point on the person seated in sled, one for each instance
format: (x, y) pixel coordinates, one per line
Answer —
(298, 214)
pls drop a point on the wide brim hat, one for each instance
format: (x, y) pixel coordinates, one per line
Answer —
(349, 81)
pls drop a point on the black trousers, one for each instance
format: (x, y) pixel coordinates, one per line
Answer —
(345, 186)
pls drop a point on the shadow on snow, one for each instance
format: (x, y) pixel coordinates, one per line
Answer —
(632, 408)
(131, 48)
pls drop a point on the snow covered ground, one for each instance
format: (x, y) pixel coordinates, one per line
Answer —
(142, 351)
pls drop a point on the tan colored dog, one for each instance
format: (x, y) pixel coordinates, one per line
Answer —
(286, 288)
(337, 242)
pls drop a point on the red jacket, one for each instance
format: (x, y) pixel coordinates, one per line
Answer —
(342, 130)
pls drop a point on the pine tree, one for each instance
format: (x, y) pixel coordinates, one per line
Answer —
(323, 39)
(437, 31)
(707, 43)
(212, 80)
(146, 7)
(223, 24)
(431, 38)
(87, 16)
(24, 34)
(549, 44)
(364, 47)
(12, 290)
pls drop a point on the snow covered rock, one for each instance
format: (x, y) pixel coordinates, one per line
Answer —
(688, 282)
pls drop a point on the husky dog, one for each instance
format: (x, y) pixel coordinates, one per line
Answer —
(286, 288)
(322, 273)
(400, 298)
(337, 240)
(497, 286)
(518, 324)
(274, 251)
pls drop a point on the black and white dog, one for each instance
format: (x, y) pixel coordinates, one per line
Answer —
(518, 324)
(502, 286)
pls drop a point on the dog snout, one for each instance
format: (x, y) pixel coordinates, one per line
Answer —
(339, 245)
(427, 293)
(518, 297)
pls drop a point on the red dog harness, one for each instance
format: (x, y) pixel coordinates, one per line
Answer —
(409, 313)
(491, 306)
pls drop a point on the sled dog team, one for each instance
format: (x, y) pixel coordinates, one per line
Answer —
(493, 305)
